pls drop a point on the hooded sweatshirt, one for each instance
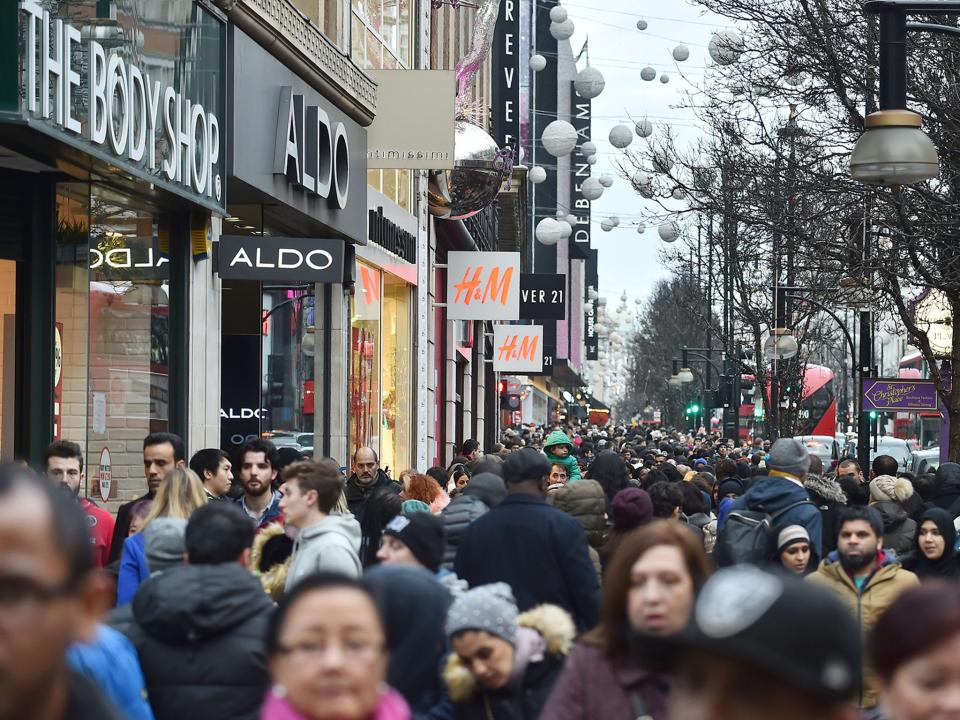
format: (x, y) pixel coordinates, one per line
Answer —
(559, 437)
(331, 545)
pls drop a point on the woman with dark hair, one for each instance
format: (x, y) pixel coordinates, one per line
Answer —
(611, 472)
(915, 646)
(325, 612)
(382, 507)
(649, 589)
(933, 554)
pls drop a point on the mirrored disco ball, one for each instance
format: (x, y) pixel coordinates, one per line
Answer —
(475, 180)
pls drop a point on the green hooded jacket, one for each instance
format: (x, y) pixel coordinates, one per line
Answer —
(559, 437)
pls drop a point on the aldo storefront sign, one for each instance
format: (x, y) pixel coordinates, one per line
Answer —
(280, 258)
(98, 97)
(292, 146)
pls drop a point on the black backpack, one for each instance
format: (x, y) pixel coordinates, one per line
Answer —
(750, 536)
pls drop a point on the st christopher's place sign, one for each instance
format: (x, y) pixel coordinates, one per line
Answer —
(127, 112)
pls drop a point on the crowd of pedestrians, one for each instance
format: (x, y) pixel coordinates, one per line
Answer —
(569, 573)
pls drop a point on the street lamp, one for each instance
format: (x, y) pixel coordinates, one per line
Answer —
(685, 375)
(675, 380)
(781, 345)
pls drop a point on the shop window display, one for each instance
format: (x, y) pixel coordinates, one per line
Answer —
(365, 360)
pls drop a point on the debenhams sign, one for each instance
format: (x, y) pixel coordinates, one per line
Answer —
(125, 111)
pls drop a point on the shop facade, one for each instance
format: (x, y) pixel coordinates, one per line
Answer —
(112, 138)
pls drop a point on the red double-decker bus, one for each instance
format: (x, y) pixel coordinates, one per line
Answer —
(818, 405)
(923, 427)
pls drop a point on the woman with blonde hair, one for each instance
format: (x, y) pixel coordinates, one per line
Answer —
(161, 539)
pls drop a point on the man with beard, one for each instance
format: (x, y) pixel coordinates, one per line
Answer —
(366, 480)
(63, 465)
(257, 463)
(865, 577)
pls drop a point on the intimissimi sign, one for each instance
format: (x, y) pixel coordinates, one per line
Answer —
(86, 91)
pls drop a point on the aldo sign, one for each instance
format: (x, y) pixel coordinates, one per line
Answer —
(280, 258)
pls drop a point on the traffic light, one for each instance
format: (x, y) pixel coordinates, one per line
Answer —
(873, 414)
(693, 409)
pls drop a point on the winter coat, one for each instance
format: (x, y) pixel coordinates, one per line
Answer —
(947, 488)
(772, 494)
(829, 498)
(558, 437)
(331, 545)
(272, 513)
(524, 698)
(133, 568)
(591, 686)
(888, 580)
(84, 701)
(200, 633)
(416, 640)
(111, 662)
(947, 566)
(357, 494)
(483, 491)
(586, 503)
(538, 550)
(390, 706)
(273, 579)
(899, 530)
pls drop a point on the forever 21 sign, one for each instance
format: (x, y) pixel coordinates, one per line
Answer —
(280, 258)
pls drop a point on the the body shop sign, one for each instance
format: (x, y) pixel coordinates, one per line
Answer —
(483, 286)
(99, 98)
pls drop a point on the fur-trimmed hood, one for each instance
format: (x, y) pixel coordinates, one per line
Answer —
(552, 623)
(275, 577)
(827, 488)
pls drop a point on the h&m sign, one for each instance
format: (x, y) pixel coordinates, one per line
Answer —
(317, 260)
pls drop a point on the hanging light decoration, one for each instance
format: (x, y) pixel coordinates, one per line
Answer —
(621, 136)
(479, 171)
(537, 62)
(644, 128)
(641, 228)
(559, 138)
(592, 160)
(726, 47)
(648, 73)
(642, 25)
(681, 53)
(588, 148)
(558, 14)
(606, 225)
(572, 219)
(591, 189)
(548, 231)
(589, 83)
(537, 175)
(668, 231)
(662, 162)
(566, 229)
(664, 79)
(616, 223)
(562, 30)
(606, 179)
(677, 194)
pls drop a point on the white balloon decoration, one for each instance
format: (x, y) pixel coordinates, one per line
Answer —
(615, 220)
(621, 136)
(592, 160)
(562, 30)
(662, 162)
(726, 46)
(641, 228)
(648, 73)
(664, 78)
(589, 148)
(606, 225)
(677, 194)
(795, 79)
(642, 25)
(558, 14)
(681, 53)
(537, 62)
(559, 138)
(606, 179)
(669, 231)
(592, 293)
(548, 231)
(560, 214)
(537, 175)
(589, 83)
(591, 189)
(566, 229)
(644, 128)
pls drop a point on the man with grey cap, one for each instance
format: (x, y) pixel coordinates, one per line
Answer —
(781, 494)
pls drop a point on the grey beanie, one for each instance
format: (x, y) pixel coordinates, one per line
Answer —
(788, 455)
(164, 541)
(490, 608)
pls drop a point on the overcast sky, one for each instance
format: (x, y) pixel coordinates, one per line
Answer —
(629, 261)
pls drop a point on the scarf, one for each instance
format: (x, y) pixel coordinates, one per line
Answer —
(391, 706)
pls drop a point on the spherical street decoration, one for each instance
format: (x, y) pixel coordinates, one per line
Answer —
(795, 79)
(566, 229)
(646, 189)
(591, 189)
(537, 62)
(548, 231)
(592, 160)
(562, 30)
(726, 47)
(592, 293)
(559, 138)
(664, 79)
(621, 136)
(601, 302)
(558, 14)
(606, 179)
(571, 220)
(662, 162)
(589, 83)
(703, 177)
(600, 328)
(560, 214)
(475, 179)
(638, 301)
(648, 73)
(641, 228)
(642, 25)
(588, 148)
(644, 128)
(537, 175)
(677, 194)
(668, 231)
(606, 225)
(615, 220)
(681, 53)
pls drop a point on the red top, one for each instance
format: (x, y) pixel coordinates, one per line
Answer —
(101, 525)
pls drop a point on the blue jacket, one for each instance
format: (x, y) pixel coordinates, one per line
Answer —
(540, 551)
(111, 662)
(133, 568)
(772, 494)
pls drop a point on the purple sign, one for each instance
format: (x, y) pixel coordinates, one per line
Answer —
(900, 395)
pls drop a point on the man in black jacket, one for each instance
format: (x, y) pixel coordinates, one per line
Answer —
(199, 628)
(367, 479)
(540, 551)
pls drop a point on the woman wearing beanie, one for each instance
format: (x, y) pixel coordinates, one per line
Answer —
(887, 495)
(504, 664)
(419, 539)
(933, 555)
(631, 508)
(793, 549)
(649, 589)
